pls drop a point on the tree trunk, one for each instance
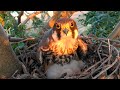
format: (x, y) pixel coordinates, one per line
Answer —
(9, 63)
(115, 34)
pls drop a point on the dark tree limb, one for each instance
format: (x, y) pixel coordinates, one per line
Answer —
(15, 40)
(19, 17)
(9, 62)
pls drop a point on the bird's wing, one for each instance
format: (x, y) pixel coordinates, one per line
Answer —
(43, 45)
(82, 49)
(82, 45)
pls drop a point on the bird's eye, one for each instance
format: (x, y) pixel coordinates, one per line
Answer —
(57, 26)
(71, 24)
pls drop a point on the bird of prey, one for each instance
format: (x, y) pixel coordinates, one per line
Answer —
(59, 45)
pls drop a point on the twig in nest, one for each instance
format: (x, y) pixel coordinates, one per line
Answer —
(106, 69)
(109, 47)
(93, 71)
(118, 66)
(100, 39)
(116, 45)
(98, 51)
(13, 76)
(84, 73)
(100, 67)
(32, 45)
(114, 48)
(24, 68)
(24, 76)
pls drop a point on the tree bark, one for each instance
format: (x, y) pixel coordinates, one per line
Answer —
(19, 17)
(9, 63)
(115, 34)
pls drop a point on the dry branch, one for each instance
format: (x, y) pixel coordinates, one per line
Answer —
(19, 17)
(17, 40)
(30, 17)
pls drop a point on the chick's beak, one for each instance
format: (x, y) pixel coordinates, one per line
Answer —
(65, 31)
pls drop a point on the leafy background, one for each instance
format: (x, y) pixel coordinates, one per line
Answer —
(100, 23)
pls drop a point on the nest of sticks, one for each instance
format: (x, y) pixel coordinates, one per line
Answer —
(101, 62)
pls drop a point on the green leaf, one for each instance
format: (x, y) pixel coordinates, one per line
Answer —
(21, 45)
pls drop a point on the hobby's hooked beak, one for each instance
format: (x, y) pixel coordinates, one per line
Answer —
(65, 31)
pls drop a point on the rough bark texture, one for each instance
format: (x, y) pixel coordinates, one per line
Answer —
(9, 63)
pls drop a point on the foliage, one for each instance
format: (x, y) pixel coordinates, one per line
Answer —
(36, 28)
(14, 29)
(37, 22)
(101, 23)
